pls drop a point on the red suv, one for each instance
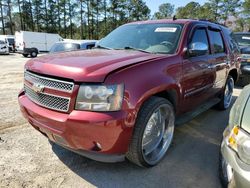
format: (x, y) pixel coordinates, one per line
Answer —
(124, 98)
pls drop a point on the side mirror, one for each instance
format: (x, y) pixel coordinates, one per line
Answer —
(198, 49)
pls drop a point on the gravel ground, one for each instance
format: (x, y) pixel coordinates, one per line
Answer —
(28, 160)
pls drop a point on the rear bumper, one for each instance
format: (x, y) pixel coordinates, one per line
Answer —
(99, 136)
(241, 171)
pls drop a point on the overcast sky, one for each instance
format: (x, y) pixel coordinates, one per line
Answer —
(154, 4)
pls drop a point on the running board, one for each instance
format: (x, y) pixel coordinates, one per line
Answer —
(188, 116)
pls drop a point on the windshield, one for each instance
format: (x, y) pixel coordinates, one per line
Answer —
(11, 41)
(243, 39)
(2, 42)
(61, 47)
(152, 38)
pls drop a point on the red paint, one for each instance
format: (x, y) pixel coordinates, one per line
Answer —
(142, 74)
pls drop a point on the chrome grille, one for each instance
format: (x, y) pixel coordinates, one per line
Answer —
(49, 82)
(48, 100)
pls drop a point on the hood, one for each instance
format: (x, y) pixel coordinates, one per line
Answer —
(86, 65)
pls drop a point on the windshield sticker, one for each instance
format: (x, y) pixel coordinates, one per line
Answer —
(166, 29)
(247, 38)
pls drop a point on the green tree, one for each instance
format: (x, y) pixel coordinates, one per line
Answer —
(229, 8)
(246, 14)
(215, 9)
(191, 10)
(166, 10)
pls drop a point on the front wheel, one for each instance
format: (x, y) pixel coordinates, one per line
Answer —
(227, 96)
(153, 132)
(225, 173)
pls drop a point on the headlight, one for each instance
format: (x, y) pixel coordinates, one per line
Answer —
(100, 97)
(239, 141)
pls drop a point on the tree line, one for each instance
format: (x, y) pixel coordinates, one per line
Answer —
(232, 13)
(93, 19)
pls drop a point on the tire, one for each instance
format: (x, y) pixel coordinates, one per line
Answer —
(33, 54)
(225, 180)
(227, 95)
(152, 136)
(25, 55)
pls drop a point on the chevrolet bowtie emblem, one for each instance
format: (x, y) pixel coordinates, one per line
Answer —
(38, 88)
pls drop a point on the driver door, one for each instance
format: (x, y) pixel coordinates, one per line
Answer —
(198, 76)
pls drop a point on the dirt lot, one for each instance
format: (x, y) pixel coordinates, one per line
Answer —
(28, 160)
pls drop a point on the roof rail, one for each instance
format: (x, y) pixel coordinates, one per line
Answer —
(205, 20)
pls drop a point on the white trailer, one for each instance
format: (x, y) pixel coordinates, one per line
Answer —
(31, 43)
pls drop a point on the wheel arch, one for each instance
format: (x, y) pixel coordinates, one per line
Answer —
(169, 94)
(234, 74)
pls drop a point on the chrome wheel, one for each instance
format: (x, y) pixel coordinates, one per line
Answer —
(158, 134)
(228, 93)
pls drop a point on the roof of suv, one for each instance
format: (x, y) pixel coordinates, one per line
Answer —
(178, 21)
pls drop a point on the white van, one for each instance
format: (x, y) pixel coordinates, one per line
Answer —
(4, 48)
(31, 43)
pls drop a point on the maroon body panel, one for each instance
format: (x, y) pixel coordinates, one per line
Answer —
(192, 80)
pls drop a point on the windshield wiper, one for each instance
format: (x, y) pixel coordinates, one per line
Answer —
(103, 47)
(132, 48)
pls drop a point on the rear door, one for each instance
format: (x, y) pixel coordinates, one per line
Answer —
(221, 59)
(198, 77)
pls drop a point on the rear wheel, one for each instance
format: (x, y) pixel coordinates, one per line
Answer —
(153, 132)
(227, 96)
(33, 54)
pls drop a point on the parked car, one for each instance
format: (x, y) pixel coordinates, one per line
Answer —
(124, 98)
(71, 45)
(4, 49)
(235, 147)
(31, 43)
(10, 39)
(243, 40)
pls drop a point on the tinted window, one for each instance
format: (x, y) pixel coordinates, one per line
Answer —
(61, 47)
(90, 46)
(216, 41)
(11, 41)
(200, 35)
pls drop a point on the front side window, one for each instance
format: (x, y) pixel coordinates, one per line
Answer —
(151, 38)
(216, 41)
(200, 36)
(11, 41)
